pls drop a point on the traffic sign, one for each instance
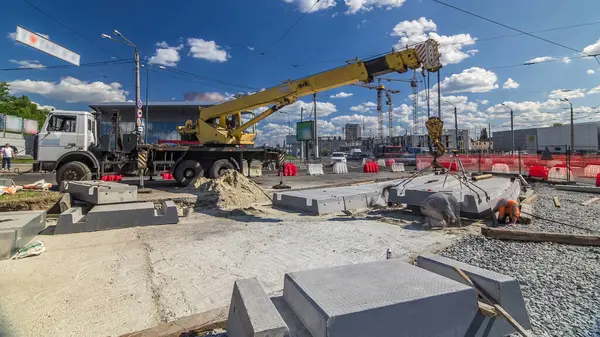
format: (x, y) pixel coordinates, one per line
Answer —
(41, 43)
(139, 113)
(139, 103)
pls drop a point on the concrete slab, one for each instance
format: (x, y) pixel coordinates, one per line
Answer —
(585, 189)
(18, 229)
(383, 298)
(252, 314)
(123, 215)
(330, 200)
(503, 289)
(65, 202)
(67, 219)
(100, 192)
(473, 201)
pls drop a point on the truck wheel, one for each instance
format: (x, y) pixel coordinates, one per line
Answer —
(187, 171)
(73, 171)
(220, 166)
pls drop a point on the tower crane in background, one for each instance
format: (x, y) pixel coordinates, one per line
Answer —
(381, 89)
(414, 86)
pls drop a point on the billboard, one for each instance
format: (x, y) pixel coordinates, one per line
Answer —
(305, 131)
(41, 43)
(14, 123)
(30, 126)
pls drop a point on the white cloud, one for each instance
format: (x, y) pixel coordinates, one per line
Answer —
(450, 47)
(593, 48)
(207, 50)
(28, 63)
(510, 84)
(484, 101)
(355, 6)
(472, 80)
(166, 55)
(364, 107)
(250, 48)
(342, 95)
(306, 5)
(590, 72)
(71, 90)
(335, 14)
(12, 36)
(566, 60)
(206, 97)
(567, 93)
(541, 59)
(595, 90)
(47, 107)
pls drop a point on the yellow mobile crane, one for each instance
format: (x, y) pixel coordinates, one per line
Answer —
(221, 123)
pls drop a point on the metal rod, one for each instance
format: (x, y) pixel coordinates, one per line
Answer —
(439, 89)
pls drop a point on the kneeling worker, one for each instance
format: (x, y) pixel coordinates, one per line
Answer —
(507, 210)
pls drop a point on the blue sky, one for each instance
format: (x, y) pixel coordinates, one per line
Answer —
(223, 40)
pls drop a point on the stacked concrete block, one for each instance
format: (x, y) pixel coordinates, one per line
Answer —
(504, 290)
(17, 229)
(252, 314)
(115, 216)
(100, 192)
(384, 298)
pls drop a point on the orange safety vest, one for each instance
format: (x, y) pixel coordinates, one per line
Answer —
(511, 209)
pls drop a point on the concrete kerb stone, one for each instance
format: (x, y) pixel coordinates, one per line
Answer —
(374, 299)
(17, 229)
(585, 189)
(123, 215)
(503, 289)
(100, 192)
(65, 202)
(67, 219)
(252, 314)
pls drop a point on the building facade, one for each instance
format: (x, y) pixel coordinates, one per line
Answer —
(556, 138)
(352, 131)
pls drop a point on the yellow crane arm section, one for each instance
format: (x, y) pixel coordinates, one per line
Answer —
(212, 126)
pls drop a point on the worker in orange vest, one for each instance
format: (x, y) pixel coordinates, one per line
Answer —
(507, 209)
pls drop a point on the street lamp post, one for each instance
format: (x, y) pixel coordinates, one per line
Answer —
(512, 129)
(572, 127)
(289, 129)
(455, 126)
(124, 40)
(147, 99)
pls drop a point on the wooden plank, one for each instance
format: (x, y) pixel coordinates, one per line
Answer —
(193, 325)
(590, 201)
(530, 199)
(511, 320)
(482, 176)
(568, 239)
(526, 216)
(486, 309)
(556, 202)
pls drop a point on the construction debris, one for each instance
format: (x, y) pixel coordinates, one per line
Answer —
(517, 235)
(231, 190)
(556, 202)
(590, 201)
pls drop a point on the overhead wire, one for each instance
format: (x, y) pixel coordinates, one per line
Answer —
(62, 66)
(293, 25)
(67, 27)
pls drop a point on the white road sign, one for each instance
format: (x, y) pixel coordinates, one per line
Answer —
(43, 44)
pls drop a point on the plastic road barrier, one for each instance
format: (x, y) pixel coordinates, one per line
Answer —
(315, 169)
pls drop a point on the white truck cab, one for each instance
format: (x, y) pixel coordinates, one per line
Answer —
(65, 131)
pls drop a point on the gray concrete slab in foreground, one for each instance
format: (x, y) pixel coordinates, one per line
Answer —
(503, 289)
(115, 216)
(383, 298)
(252, 314)
(17, 229)
(100, 192)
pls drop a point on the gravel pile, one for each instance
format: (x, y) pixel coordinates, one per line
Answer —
(560, 283)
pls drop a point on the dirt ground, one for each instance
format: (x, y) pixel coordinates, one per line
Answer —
(28, 201)
(113, 282)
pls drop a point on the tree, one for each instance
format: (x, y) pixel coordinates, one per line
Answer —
(557, 124)
(484, 135)
(20, 106)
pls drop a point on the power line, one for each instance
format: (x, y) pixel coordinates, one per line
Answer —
(505, 26)
(67, 27)
(62, 66)
(294, 25)
(193, 75)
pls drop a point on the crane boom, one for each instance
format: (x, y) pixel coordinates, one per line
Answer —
(213, 127)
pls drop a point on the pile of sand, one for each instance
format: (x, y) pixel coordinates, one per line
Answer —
(231, 190)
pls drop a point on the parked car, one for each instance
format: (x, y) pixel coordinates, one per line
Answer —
(338, 157)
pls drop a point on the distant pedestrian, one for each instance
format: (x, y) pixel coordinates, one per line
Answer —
(7, 156)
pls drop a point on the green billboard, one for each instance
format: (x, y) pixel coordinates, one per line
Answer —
(305, 131)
